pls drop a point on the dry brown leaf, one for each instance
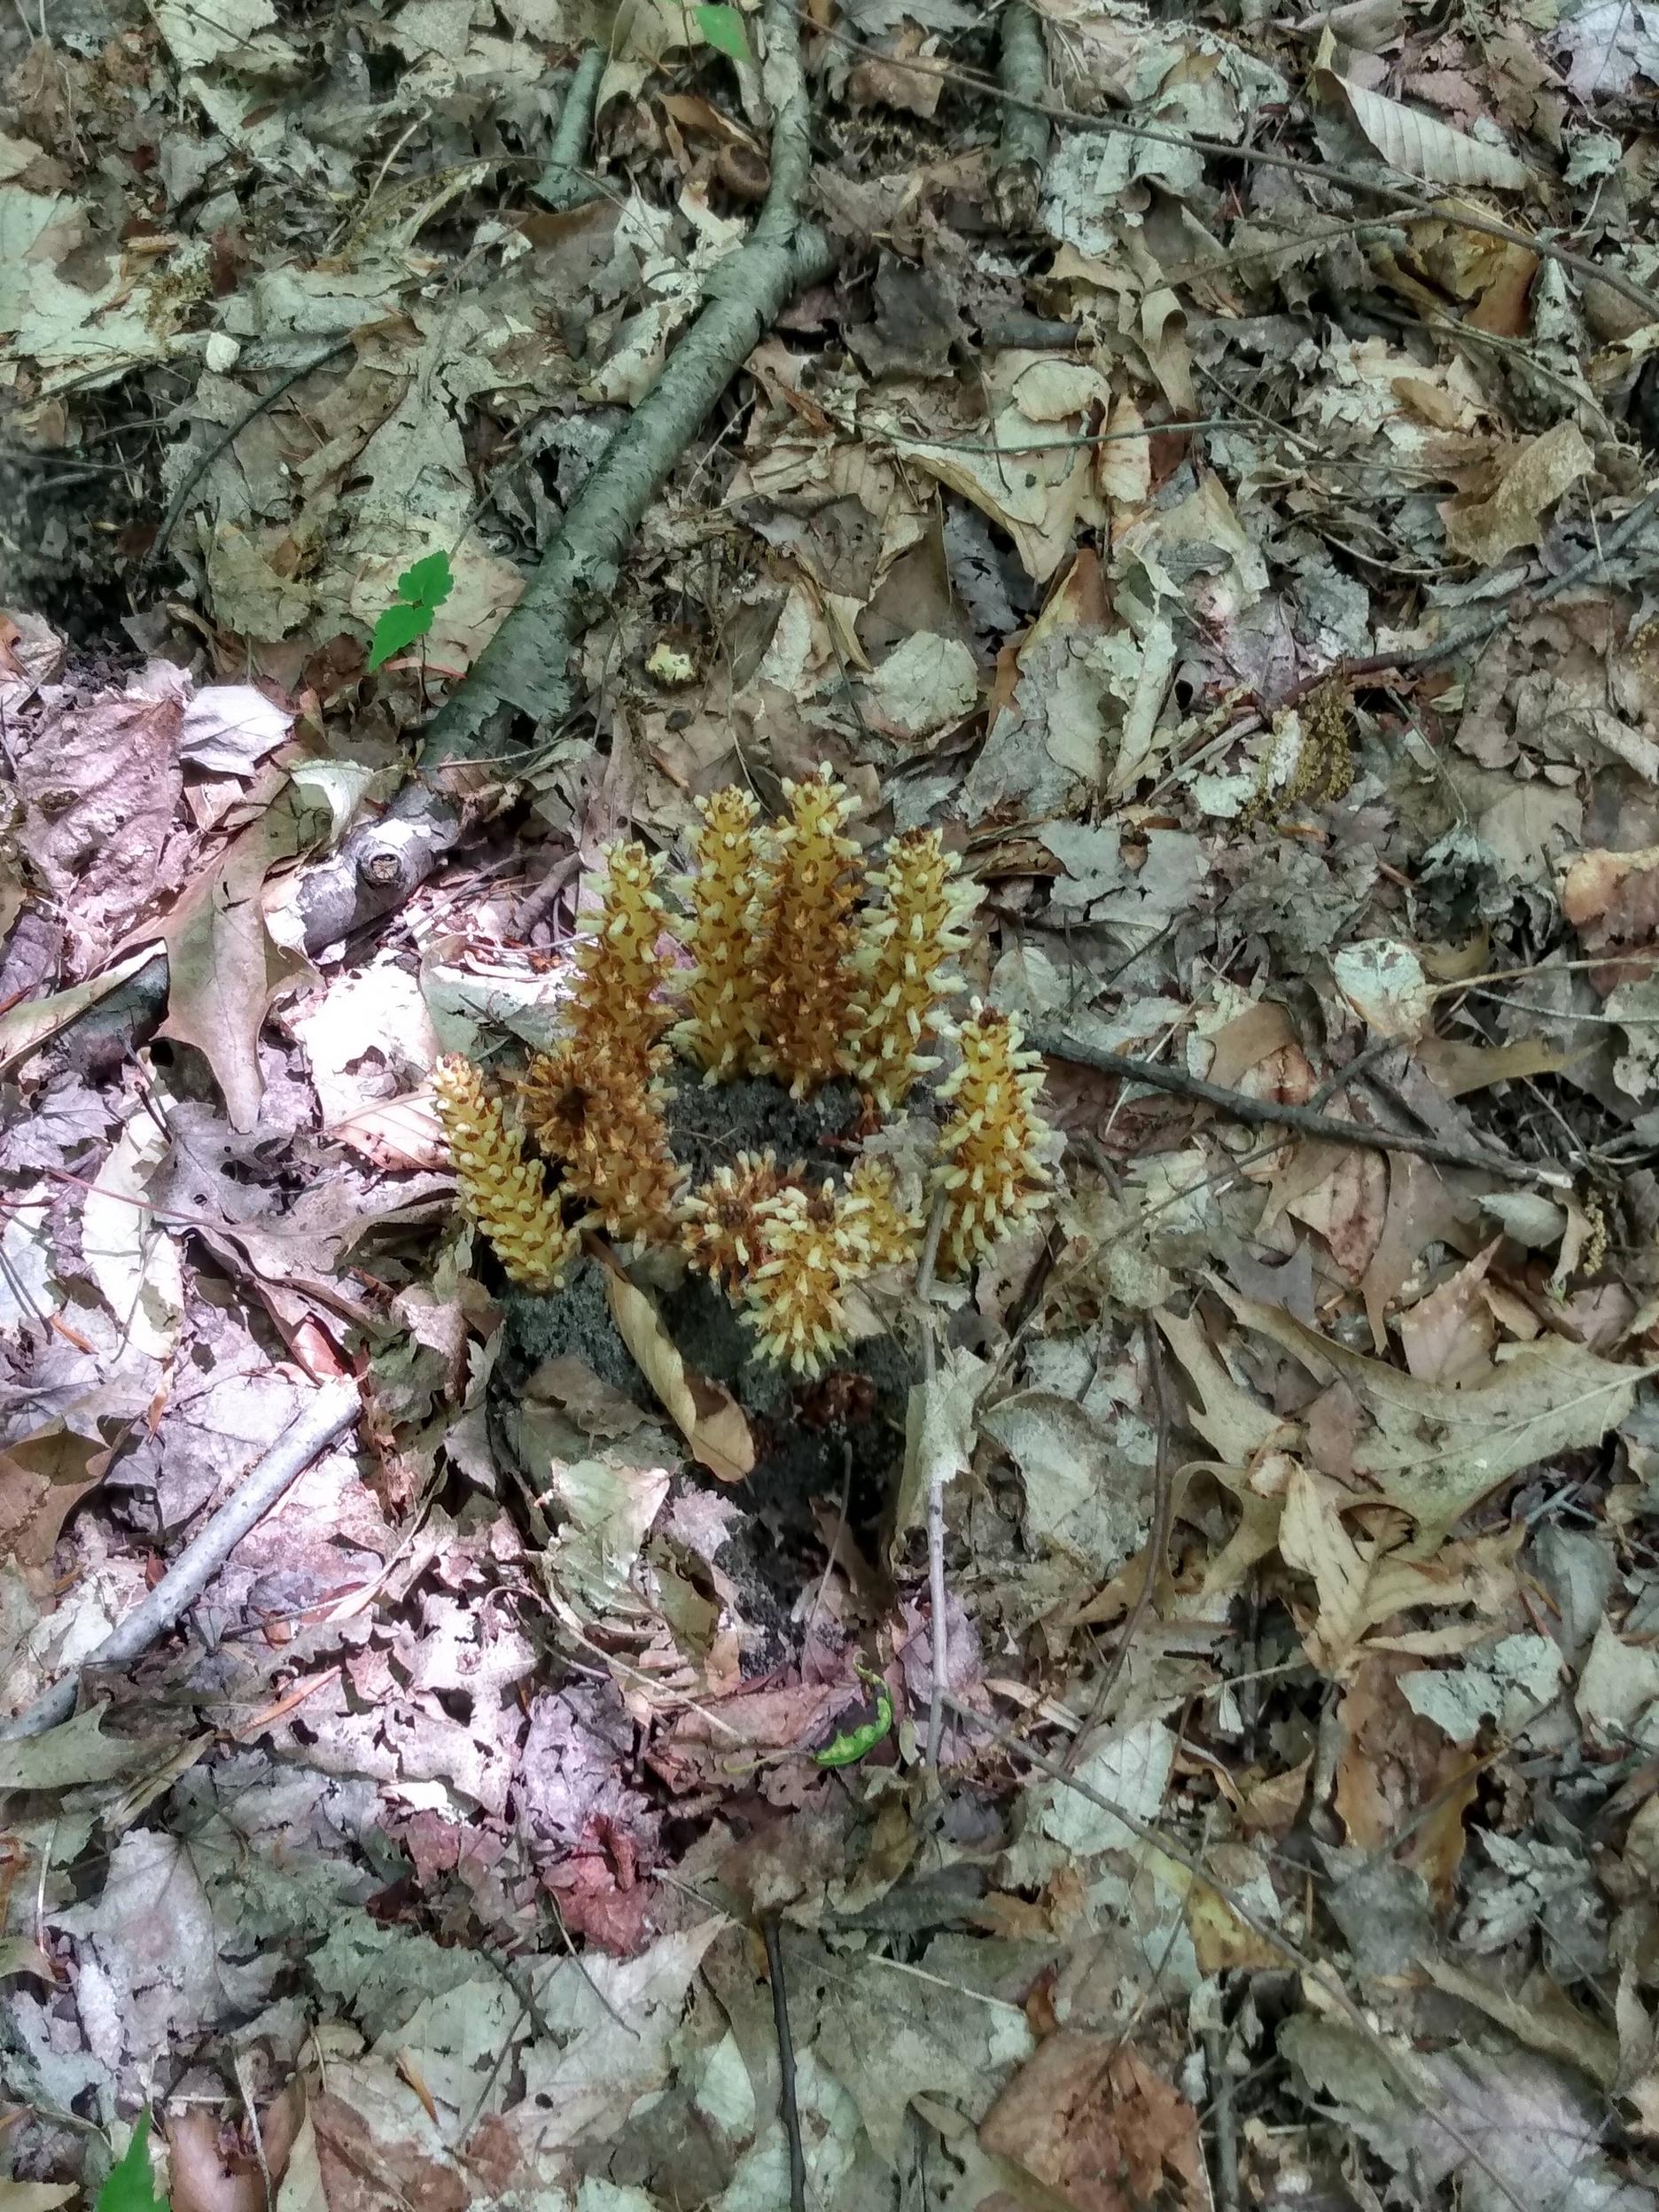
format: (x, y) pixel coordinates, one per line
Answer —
(1087, 2116)
(43, 1479)
(1420, 145)
(900, 74)
(1532, 479)
(706, 1416)
(1449, 1336)
(225, 967)
(1435, 1453)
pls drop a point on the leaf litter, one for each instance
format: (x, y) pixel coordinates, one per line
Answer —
(1239, 551)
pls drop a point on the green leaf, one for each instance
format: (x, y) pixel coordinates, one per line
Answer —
(398, 627)
(724, 29)
(428, 583)
(130, 2186)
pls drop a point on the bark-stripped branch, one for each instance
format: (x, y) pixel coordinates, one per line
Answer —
(1023, 156)
(563, 182)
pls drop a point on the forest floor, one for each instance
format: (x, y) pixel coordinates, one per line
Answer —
(1170, 1715)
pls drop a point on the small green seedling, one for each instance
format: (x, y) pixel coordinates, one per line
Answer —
(725, 30)
(422, 591)
(131, 2186)
(854, 1744)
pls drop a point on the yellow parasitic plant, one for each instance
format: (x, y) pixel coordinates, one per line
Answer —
(990, 1146)
(797, 1297)
(504, 1194)
(906, 944)
(723, 991)
(617, 1004)
(805, 939)
(784, 980)
(594, 1109)
(723, 1231)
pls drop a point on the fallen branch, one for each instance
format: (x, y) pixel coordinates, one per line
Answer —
(525, 668)
(331, 1413)
(562, 184)
(1258, 1113)
(1023, 155)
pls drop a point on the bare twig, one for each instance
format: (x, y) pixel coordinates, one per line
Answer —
(1316, 1971)
(331, 1413)
(211, 452)
(789, 2111)
(1225, 2139)
(1266, 1112)
(525, 668)
(1157, 1536)
(936, 1487)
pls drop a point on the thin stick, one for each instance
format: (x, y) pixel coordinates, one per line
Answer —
(1225, 2140)
(1267, 1113)
(1408, 199)
(331, 1413)
(1157, 1536)
(1317, 1971)
(936, 1491)
(204, 460)
(789, 2112)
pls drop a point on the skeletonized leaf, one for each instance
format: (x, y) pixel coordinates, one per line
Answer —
(1420, 145)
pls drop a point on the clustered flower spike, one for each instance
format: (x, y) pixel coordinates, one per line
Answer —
(615, 1006)
(599, 1113)
(797, 1301)
(498, 1189)
(875, 1221)
(990, 1148)
(783, 981)
(906, 943)
(807, 894)
(720, 1032)
(723, 1235)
